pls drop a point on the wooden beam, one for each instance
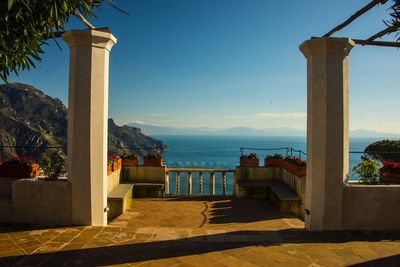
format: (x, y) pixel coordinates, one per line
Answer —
(376, 43)
(368, 42)
(363, 10)
(384, 32)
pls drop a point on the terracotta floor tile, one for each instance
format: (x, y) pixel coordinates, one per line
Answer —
(197, 231)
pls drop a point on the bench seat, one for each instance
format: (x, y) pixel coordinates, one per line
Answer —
(285, 200)
(119, 200)
(148, 190)
(254, 189)
(281, 196)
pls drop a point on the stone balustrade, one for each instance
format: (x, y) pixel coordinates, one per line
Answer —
(201, 172)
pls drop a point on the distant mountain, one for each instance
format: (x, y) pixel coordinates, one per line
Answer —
(247, 131)
(31, 118)
(121, 137)
(244, 131)
(367, 133)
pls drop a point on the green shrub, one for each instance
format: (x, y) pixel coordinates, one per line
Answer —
(367, 171)
(52, 164)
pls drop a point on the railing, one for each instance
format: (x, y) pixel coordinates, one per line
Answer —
(189, 181)
(288, 150)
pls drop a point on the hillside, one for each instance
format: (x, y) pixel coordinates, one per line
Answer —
(31, 118)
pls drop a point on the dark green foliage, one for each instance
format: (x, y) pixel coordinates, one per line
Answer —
(395, 17)
(52, 164)
(274, 156)
(376, 150)
(24, 24)
(153, 156)
(250, 156)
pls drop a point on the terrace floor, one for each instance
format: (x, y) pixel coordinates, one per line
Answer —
(196, 231)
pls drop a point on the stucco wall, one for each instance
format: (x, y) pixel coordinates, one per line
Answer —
(39, 201)
(5, 186)
(6, 213)
(371, 207)
(113, 180)
(257, 174)
(144, 174)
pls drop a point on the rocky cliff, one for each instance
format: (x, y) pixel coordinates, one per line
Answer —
(30, 118)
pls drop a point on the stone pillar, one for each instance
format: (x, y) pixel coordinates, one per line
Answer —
(87, 123)
(327, 130)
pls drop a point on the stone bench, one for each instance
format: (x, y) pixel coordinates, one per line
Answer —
(253, 189)
(118, 200)
(148, 190)
(285, 200)
(282, 197)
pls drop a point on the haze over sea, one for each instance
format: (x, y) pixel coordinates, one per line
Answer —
(224, 152)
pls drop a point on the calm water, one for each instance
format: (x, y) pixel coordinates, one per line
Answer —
(224, 152)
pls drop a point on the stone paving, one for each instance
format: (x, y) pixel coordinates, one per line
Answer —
(196, 231)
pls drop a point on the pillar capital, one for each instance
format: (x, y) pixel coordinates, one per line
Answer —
(95, 38)
(327, 45)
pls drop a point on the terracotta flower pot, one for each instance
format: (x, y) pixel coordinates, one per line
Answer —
(133, 162)
(19, 171)
(249, 162)
(290, 167)
(109, 169)
(392, 177)
(270, 162)
(300, 171)
(153, 162)
(115, 166)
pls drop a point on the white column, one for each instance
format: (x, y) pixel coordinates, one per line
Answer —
(87, 123)
(327, 130)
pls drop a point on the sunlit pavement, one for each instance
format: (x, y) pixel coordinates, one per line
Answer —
(196, 231)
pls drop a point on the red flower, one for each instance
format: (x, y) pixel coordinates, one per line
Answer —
(391, 166)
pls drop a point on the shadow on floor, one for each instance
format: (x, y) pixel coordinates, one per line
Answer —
(136, 252)
(386, 261)
(223, 209)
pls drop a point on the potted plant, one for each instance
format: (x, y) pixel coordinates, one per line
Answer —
(290, 163)
(19, 167)
(52, 165)
(367, 171)
(250, 160)
(300, 168)
(129, 160)
(390, 172)
(114, 160)
(275, 160)
(153, 159)
(295, 165)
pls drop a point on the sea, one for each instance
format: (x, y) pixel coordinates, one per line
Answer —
(223, 152)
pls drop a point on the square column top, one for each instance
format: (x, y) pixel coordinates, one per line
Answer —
(327, 45)
(101, 38)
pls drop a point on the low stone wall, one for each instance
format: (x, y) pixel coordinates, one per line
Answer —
(6, 213)
(297, 184)
(39, 201)
(254, 175)
(269, 174)
(371, 207)
(113, 180)
(144, 174)
(5, 187)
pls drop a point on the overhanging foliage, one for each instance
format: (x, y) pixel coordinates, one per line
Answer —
(25, 24)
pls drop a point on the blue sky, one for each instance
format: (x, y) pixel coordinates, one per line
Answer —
(227, 63)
